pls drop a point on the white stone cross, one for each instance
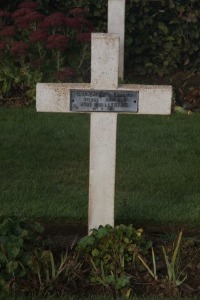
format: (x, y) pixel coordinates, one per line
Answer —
(116, 24)
(58, 97)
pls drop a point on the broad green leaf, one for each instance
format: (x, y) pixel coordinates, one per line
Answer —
(95, 252)
(26, 260)
(11, 266)
(122, 282)
(126, 240)
(163, 28)
(2, 258)
(86, 241)
(37, 227)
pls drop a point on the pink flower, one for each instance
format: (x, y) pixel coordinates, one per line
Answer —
(83, 37)
(39, 35)
(21, 12)
(8, 31)
(77, 11)
(72, 23)
(4, 13)
(19, 48)
(28, 18)
(28, 4)
(57, 41)
(86, 23)
(55, 19)
(63, 75)
(34, 16)
(22, 22)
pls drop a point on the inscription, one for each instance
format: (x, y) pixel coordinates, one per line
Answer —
(108, 101)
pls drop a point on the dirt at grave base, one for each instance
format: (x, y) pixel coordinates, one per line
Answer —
(65, 236)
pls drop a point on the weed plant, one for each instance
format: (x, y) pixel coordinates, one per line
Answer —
(111, 253)
(110, 261)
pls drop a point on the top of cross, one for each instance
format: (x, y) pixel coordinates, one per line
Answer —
(116, 24)
(104, 76)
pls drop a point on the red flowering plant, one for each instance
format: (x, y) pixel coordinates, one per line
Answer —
(63, 30)
(38, 48)
(15, 72)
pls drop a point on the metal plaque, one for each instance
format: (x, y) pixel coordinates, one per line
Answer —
(104, 101)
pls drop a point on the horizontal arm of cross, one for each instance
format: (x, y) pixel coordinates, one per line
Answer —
(55, 97)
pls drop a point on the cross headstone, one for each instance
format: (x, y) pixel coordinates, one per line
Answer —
(116, 24)
(103, 98)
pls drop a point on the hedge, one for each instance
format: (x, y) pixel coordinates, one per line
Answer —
(162, 36)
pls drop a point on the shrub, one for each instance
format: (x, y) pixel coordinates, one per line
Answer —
(111, 253)
(38, 48)
(19, 240)
(111, 260)
(161, 36)
(28, 266)
(162, 39)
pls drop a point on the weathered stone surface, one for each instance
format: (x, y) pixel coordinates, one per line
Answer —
(116, 24)
(55, 97)
(104, 61)
(153, 99)
(102, 169)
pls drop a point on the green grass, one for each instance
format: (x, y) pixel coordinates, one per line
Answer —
(44, 162)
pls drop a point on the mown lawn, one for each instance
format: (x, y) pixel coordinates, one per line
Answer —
(44, 162)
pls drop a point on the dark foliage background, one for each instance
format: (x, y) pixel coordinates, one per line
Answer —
(162, 36)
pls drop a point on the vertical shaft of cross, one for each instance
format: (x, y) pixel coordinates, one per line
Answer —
(116, 24)
(104, 76)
